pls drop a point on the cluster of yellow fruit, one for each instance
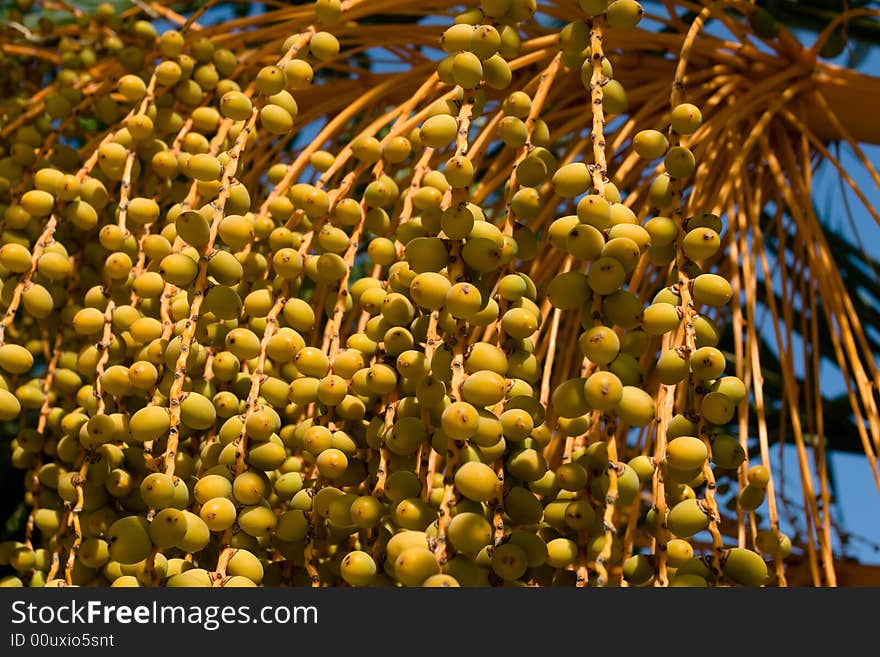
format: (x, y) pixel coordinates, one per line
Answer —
(242, 360)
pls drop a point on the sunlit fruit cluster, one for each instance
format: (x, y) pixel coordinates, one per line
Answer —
(236, 357)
